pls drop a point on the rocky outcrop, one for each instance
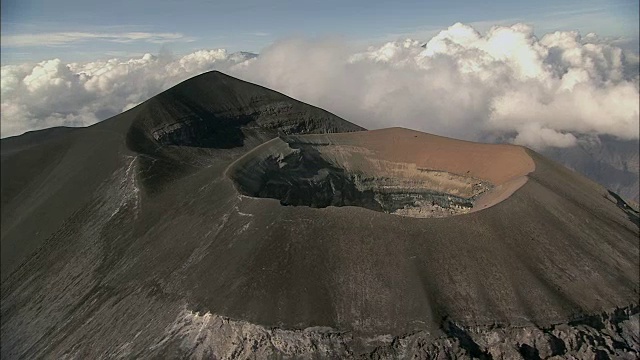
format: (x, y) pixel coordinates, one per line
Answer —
(610, 335)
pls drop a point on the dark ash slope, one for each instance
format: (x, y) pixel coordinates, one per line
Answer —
(211, 118)
(130, 241)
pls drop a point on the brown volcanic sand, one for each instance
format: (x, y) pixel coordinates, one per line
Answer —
(497, 163)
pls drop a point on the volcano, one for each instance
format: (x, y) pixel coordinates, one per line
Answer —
(221, 219)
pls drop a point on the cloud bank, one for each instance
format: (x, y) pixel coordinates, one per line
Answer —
(505, 83)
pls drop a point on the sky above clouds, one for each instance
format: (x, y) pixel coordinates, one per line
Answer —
(541, 75)
(80, 30)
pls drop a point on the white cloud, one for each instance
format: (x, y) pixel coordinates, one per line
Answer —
(65, 38)
(462, 83)
(533, 134)
(51, 93)
(466, 84)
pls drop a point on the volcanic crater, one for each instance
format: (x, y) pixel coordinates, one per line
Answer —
(138, 225)
(354, 170)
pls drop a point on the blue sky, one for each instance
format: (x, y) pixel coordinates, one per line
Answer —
(79, 30)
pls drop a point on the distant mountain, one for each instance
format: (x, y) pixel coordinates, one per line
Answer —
(221, 219)
(607, 160)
